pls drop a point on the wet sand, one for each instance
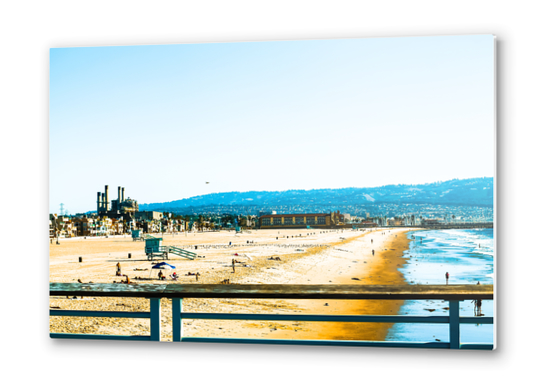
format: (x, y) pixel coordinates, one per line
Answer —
(332, 257)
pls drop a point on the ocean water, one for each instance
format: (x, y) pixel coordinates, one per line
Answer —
(467, 255)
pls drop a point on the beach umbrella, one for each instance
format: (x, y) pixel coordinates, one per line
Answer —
(162, 266)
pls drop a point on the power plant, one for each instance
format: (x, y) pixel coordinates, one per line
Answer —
(118, 207)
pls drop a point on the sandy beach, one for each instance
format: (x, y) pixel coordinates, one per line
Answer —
(306, 256)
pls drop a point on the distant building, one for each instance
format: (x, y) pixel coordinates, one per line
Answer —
(149, 215)
(302, 220)
(104, 227)
(85, 226)
(61, 226)
(432, 221)
(116, 208)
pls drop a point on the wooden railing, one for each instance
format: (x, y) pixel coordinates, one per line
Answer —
(177, 292)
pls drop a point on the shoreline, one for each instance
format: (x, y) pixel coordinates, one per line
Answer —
(384, 272)
(383, 269)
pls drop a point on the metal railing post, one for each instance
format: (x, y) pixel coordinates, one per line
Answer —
(454, 325)
(176, 317)
(155, 319)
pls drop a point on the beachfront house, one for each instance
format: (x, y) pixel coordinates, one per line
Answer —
(85, 226)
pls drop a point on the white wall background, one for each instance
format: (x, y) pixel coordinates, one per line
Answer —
(29, 29)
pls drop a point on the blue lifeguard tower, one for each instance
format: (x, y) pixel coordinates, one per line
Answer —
(136, 235)
(154, 248)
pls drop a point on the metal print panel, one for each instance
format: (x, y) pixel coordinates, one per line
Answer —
(320, 192)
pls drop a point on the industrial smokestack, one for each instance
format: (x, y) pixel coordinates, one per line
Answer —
(107, 197)
(122, 193)
(119, 199)
(99, 201)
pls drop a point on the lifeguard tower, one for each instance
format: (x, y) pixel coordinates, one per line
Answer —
(154, 248)
(136, 235)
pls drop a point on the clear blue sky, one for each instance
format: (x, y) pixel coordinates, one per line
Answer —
(162, 120)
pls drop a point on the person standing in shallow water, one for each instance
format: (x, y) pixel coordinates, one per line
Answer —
(478, 306)
(447, 277)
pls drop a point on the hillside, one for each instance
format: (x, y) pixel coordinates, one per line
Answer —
(467, 192)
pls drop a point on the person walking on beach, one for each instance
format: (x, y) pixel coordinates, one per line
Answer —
(233, 265)
(447, 277)
(373, 252)
(118, 269)
(477, 305)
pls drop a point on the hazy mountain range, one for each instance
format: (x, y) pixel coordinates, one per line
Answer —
(470, 192)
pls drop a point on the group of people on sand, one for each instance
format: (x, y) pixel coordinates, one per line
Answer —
(235, 261)
(251, 244)
(161, 276)
(175, 276)
(197, 274)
